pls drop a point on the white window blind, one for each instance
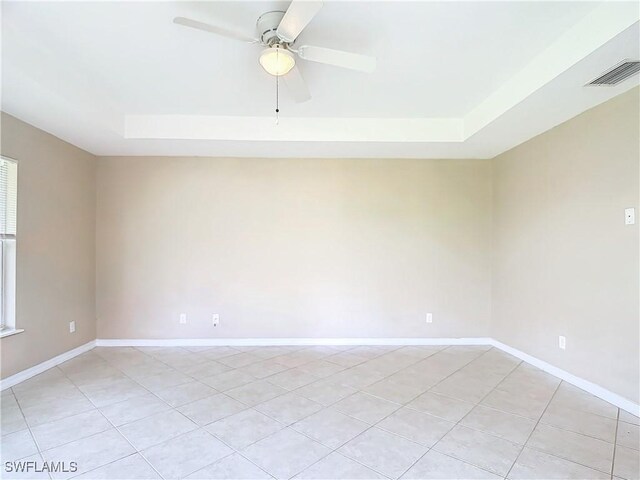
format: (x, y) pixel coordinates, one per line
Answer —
(8, 197)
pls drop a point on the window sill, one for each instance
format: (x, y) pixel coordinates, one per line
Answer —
(10, 331)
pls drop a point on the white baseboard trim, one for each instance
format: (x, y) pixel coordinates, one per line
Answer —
(264, 342)
(585, 385)
(44, 366)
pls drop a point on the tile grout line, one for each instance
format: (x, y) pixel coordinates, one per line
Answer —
(537, 449)
(249, 407)
(324, 378)
(615, 444)
(479, 403)
(198, 426)
(581, 433)
(565, 458)
(33, 437)
(327, 378)
(174, 409)
(234, 451)
(539, 421)
(335, 450)
(401, 406)
(419, 359)
(139, 452)
(252, 407)
(289, 426)
(116, 428)
(534, 429)
(458, 422)
(420, 394)
(509, 413)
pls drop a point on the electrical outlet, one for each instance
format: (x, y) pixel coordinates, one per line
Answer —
(562, 342)
(215, 319)
(429, 318)
(72, 327)
(629, 216)
(183, 318)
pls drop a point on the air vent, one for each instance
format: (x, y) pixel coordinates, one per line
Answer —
(617, 74)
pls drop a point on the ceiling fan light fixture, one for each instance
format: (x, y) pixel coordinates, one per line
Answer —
(277, 61)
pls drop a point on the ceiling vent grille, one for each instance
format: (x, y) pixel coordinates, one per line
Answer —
(617, 74)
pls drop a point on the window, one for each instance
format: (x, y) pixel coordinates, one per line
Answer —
(8, 213)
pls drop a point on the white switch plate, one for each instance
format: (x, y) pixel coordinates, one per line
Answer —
(183, 318)
(429, 318)
(215, 319)
(629, 216)
(562, 342)
(72, 327)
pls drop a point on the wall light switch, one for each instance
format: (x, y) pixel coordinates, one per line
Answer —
(215, 319)
(562, 342)
(429, 318)
(183, 318)
(629, 216)
(72, 327)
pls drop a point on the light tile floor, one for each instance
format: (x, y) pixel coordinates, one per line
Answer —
(313, 413)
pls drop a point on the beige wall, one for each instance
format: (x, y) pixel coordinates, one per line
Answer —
(293, 248)
(523, 248)
(564, 262)
(55, 246)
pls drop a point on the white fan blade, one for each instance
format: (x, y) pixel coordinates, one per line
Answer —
(338, 58)
(296, 85)
(297, 16)
(187, 22)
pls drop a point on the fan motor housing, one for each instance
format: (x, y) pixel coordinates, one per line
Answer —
(267, 25)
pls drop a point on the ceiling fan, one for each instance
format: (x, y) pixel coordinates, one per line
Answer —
(277, 31)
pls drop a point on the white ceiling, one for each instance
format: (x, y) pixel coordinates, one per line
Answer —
(454, 79)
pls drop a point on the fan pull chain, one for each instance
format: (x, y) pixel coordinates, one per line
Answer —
(277, 93)
(277, 100)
